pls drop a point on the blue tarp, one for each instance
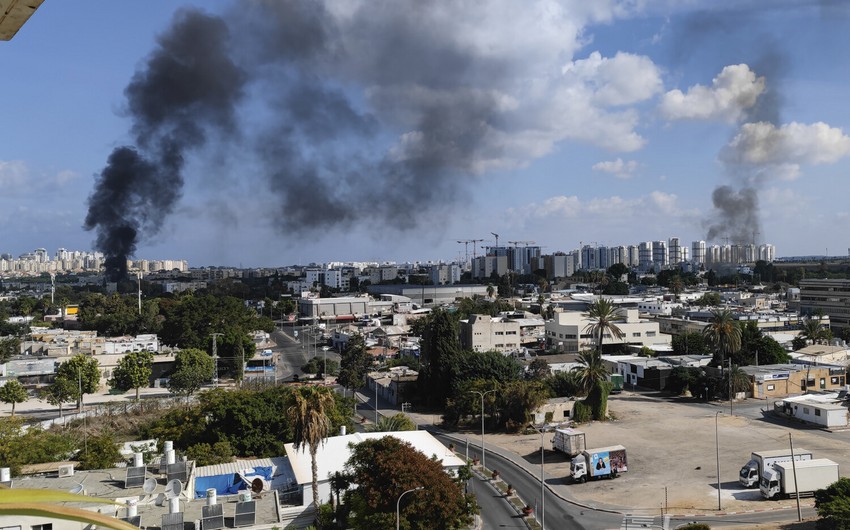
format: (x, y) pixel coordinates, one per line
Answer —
(229, 484)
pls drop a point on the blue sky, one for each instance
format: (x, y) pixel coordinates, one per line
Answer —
(365, 130)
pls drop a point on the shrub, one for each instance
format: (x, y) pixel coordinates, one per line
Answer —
(582, 412)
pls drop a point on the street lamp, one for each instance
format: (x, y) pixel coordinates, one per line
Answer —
(717, 446)
(542, 431)
(325, 350)
(482, 394)
(398, 506)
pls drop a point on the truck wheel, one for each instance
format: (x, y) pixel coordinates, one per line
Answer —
(582, 480)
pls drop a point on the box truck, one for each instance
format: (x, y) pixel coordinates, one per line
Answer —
(605, 462)
(778, 482)
(570, 441)
(761, 460)
(616, 381)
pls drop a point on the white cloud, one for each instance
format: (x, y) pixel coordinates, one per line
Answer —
(621, 80)
(617, 167)
(13, 175)
(731, 93)
(779, 151)
(610, 208)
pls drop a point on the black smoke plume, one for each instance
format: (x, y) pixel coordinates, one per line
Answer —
(188, 86)
(368, 116)
(736, 215)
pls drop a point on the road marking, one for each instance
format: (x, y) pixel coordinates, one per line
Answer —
(634, 522)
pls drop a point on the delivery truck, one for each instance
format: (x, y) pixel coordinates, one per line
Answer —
(761, 460)
(570, 441)
(604, 462)
(778, 482)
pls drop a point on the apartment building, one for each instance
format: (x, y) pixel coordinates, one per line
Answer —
(569, 332)
(831, 297)
(486, 333)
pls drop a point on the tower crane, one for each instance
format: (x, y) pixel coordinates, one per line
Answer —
(497, 241)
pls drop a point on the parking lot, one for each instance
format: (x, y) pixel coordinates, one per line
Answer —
(672, 455)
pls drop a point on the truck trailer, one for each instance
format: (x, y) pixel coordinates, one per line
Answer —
(752, 471)
(778, 482)
(604, 462)
(570, 441)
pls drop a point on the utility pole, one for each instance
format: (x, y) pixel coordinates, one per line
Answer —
(139, 274)
(215, 356)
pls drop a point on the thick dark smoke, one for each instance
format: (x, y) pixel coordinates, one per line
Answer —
(737, 215)
(739, 34)
(371, 116)
(188, 86)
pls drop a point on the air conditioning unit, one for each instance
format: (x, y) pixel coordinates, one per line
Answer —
(245, 496)
(66, 470)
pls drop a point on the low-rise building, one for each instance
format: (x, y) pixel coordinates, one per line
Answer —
(783, 380)
(485, 333)
(570, 332)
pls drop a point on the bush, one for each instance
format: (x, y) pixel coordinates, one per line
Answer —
(316, 365)
(205, 454)
(100, 452)
(695, 526)
(582, 412)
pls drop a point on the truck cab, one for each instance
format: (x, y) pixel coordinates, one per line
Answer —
(769, 485)
(578, 468)
(749, 474)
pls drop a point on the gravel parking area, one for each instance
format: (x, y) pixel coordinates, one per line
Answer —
(672, 455)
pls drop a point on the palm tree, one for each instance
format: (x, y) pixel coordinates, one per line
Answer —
(740, 380)
(592, 377)
(310, 425)
(603, 314)
(398, 422)
(723, 333)
(812, 330)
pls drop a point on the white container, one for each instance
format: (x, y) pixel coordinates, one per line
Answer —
(212, 497)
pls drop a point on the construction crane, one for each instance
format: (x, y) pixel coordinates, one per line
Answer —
(466, 243)
(497, 242)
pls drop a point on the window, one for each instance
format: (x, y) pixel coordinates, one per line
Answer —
(650, 333)
(817, 412)
(10, 527)
(805, 410)
(46, 526)
(636, 334)
(833, 380)
(770, 388)
(823, 382)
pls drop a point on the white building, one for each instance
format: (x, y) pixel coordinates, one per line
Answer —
(486, 333)
(569, 332)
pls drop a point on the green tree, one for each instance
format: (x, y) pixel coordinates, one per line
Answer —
(59, 392)
(617, 271)
(439, 346)
(592, 376)
(308, 417)
(741, 382)
(133, 371)
(681, 380)
(9, 347)
(396, 422)
(833, 505)
(564, 384)
(354, 363)
(192, 368)
(316, 365)
(85, 371)
(205, 454)
(517, 400)
(723, 334)
(101, 452)
(603, 315)
(13, 392)
(689, 343)
(385, 468)
(538, 369)
(812, 330)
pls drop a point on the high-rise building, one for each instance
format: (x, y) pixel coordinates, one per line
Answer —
(659, 253)
(674, 251)
(645, 255)
(698, 252)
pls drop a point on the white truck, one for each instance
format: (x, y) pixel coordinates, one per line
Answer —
(570, 441)
(778, 482)
(760, 461)
(604, 462)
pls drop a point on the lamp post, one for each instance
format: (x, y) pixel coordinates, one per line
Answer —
(717, 446)
(542, 432)
(482, 394)
(398, 506)
(325, 351)
(376, 400)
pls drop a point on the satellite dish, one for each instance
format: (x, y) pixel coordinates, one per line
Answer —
(149, 485)
(257, 485)
(77, 489)
(173, 489)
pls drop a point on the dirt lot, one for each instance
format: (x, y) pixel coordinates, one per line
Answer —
(671, 451)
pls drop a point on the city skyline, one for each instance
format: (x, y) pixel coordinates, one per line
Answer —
(374, 135)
